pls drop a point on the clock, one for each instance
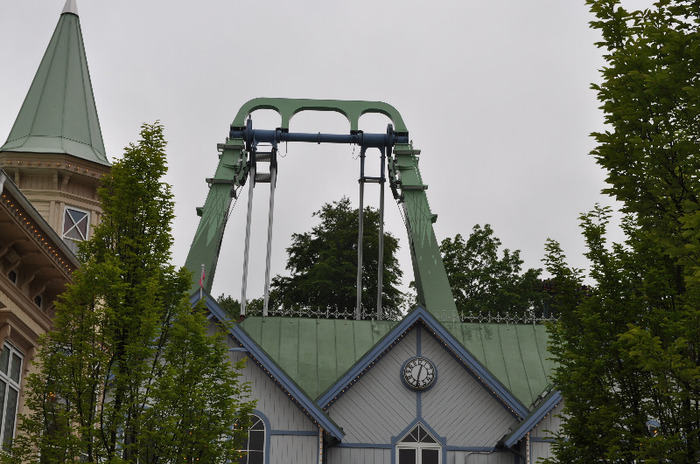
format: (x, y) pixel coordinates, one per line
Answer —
(419, 373)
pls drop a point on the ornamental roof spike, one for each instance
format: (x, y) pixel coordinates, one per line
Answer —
(71, 6)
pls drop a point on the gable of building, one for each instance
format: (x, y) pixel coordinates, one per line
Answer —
(457, 408)
(317, 353)
(470, 409)
(243, 346)
(516, 354)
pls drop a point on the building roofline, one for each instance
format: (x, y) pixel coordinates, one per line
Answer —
(307, 405)
(8, 185)
(547, 405)
(420, 314)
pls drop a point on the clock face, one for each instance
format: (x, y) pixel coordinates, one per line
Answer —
(419, 373)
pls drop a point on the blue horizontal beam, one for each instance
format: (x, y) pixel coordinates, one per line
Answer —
(278, 135)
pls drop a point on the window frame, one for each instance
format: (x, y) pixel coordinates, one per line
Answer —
(64, 232)
(10, 383)
(418, 446)
(256, 420)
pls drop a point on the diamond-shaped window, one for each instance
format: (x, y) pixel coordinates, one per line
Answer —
(75, 224)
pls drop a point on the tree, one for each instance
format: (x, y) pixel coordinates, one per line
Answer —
(629, 350)
(232, 307)
(484, 283)
(608, 397)
(323, 265)
(129, 370)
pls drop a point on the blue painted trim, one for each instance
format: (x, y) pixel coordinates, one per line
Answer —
(212, 306)
(298, 433)
(266, 423)
(362, 445)
(477, 370)
(473, 366)
(419, 405)
(550, 402)
(238, 348)
(419, 343)
(542, 440)
(372, 355)
(298, 397)
(288, 386)
(472, 449)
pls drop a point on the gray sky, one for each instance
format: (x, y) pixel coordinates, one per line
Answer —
(495, 94)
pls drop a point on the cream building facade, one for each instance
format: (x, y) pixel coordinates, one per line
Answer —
(50, 169)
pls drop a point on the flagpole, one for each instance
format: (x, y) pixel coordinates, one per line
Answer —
(201, 283)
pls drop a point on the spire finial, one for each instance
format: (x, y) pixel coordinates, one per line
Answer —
(70, 7)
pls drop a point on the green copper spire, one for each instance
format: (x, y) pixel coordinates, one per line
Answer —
(59, 114)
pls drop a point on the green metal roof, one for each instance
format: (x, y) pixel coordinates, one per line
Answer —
(315, 353)
(59, 113)
(516, 354)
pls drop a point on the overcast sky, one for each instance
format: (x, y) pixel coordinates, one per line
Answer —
(495, 94)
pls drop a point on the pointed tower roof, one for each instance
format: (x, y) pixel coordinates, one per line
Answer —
(59, 113)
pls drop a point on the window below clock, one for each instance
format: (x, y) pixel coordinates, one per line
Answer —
(418, 447)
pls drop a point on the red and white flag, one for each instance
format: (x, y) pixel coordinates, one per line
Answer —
(201, 283)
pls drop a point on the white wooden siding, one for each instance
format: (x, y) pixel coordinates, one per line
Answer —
(471, 457)
(540, 450)
(378, 406)
(282, 413)
(286, 449)
(540, 447)
(338, 455)
(550, 424)
(458, 406)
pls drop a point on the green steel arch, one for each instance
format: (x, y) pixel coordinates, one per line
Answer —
(351, 109)
(404, 177)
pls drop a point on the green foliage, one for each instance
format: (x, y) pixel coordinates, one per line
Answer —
(129, 370)
(629, 349)
(484, 283)
(323, 265)
(232, 307)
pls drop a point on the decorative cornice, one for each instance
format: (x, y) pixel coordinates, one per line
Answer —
(40, 237)
(39, 231)
(9, 160)
(18, 298)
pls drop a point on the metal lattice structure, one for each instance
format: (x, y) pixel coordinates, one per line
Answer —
(240, 161)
